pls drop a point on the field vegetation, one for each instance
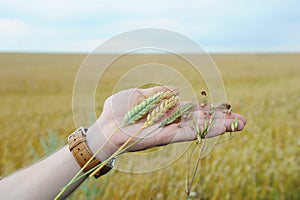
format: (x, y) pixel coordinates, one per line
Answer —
(261, 162)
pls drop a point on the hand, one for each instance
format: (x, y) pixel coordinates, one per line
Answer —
(116, 106)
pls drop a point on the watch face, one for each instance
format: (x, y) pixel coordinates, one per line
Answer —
(81, 130)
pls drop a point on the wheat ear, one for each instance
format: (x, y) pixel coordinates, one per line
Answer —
(139, 111)
(160, 110)
(177, 114)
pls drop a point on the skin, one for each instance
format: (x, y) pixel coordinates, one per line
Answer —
(44, 179)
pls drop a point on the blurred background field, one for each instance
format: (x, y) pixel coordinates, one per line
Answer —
(261, 162)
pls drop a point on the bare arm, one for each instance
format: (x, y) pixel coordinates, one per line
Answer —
(42, 180)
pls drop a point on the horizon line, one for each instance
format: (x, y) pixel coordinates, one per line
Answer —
(149, 53)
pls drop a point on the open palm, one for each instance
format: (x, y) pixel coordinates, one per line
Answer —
(119, 104)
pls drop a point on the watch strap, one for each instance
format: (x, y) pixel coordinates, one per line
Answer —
(82, 153)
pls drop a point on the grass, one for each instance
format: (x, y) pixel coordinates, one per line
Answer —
(262, 162)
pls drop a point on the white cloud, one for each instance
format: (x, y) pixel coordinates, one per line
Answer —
(10, 27)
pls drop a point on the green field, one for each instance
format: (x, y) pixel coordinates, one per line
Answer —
(261, 162)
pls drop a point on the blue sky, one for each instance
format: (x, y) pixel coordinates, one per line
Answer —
(217, 25)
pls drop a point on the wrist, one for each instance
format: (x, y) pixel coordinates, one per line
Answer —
(96, 138)
(78, 145)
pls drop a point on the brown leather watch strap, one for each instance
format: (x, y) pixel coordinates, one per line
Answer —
(82, 153)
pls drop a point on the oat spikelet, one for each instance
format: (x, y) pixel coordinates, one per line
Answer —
(177, 114)
(204, 98)
(234, 124)
(160, 110)
(144, 107)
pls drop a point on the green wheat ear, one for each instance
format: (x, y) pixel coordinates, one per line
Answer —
(139, 111)
(177, 114)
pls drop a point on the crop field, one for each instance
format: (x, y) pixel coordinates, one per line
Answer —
(261, 162)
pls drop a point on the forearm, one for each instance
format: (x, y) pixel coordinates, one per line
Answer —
(42, 180)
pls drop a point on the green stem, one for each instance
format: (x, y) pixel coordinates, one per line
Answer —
(74, 179)
(198, 161)
(116, 153)
(102, 163)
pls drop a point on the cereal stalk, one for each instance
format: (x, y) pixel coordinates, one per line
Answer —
(116, 153)
(183, 110)
(120, 152)
(131, 117)
(75, 178)
(202, 133)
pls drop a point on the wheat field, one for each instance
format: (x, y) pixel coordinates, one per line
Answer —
(261, 162)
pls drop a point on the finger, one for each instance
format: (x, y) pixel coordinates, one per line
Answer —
(236, 116)
(201, 114)
(228, 126)
(174, 133)
(185, 134)
(241, 117)
(216, 126)
(241, 125)
(199, 109)
(177, 133)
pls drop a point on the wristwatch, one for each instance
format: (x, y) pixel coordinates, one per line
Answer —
(82, 153)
